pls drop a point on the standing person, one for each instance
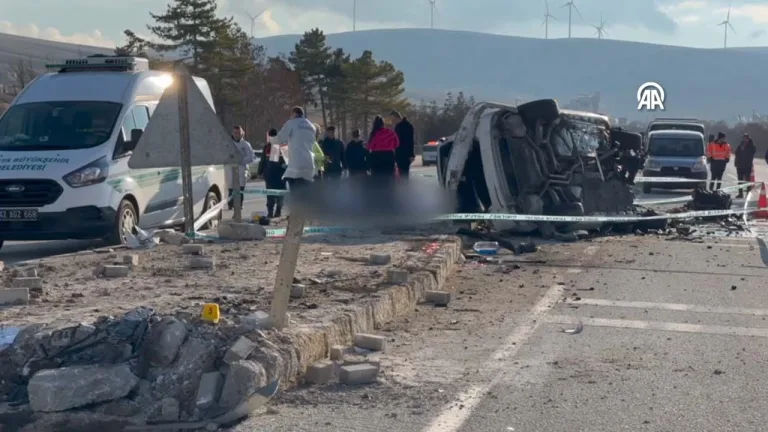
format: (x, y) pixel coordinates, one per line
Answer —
(356, 155)
(244, 147)
(319, 156)
(382, 145)
(299, 134)
(333, 149)
(718, 156)
(405, 152)
(744, 158)
(272, 168)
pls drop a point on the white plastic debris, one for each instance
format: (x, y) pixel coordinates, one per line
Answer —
(576, 330)
(142, 239)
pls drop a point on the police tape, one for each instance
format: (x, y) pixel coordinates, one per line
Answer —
(280, 232)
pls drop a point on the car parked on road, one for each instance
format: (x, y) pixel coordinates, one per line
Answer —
(429, 153)
(535, 158)
(677, 154)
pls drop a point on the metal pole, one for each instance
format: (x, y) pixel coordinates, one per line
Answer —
(186, 152)
(354, 15)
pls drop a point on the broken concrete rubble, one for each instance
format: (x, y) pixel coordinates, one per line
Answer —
(76, 386)
(164, 340)
(14, 296)
(244, 377)
(241, 231)
(358, 374)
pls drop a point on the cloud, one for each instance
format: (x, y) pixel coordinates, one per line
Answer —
(95, 38)
(757, 34)
(758, 14)
(272, 26)
(478, 15)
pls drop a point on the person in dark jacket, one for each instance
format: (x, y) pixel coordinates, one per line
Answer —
(744, 161)
(404, 155)
(272, 167)
(333, 149)
(356, 155)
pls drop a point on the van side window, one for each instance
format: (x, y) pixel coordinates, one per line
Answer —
(140, 117)
(125, 133)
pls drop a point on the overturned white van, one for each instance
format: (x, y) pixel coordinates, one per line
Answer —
(538, 159)
(65, 142)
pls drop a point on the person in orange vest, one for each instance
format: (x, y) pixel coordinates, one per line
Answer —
(718, 156)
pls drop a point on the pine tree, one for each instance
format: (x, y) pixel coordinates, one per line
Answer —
(189, 28)
(338, 90)
(310, 59)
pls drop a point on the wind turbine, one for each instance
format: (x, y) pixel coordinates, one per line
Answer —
(253, 19)
(726, 24)
(600, 30)
(547, 16)
(570, 7)
(432, 7)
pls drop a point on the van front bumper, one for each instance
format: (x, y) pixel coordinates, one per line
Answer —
(77, 223)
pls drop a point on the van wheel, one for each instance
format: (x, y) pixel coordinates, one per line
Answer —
(126, 220)
(211, 201)
(544, 109)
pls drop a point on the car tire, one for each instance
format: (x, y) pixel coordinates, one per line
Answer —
(1, 243)
(126, 220)
(647, 188)
(544, 109)
(211, 200)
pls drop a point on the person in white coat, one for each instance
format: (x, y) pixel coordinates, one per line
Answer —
(299, 134)
(244, 147)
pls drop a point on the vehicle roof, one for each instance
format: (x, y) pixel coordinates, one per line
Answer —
(119, 87)
(676, 133)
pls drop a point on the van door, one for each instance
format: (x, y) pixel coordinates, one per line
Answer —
(153, 190)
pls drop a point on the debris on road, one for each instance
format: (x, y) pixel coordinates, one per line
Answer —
(575, 330)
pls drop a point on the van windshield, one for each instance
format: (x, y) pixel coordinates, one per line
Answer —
(676, 147)
(43, 126)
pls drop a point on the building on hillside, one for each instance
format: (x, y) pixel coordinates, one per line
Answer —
(585, 102)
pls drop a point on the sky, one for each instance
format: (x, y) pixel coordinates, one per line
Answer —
(691, 23)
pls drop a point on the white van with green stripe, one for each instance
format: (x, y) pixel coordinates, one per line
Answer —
(65, 142)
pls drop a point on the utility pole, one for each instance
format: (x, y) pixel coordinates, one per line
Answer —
(354, 15)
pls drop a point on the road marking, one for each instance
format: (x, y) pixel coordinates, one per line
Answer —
(456, 413)
(670, 306)
(453, 415)
(660, 326)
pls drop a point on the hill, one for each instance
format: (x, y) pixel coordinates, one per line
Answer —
(39, 52)
(705, 83)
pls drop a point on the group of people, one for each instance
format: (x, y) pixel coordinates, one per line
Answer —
(296, 155)
(719, 155)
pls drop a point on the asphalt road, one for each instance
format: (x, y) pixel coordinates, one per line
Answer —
(672, 338)
(17, 251)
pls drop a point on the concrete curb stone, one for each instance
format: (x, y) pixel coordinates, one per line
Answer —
(311, 344)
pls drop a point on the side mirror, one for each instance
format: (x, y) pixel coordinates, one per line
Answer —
(135, 137)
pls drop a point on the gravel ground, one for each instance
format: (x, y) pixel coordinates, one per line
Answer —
(333, 267)
(431, 355)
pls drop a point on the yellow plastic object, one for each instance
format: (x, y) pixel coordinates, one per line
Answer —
(211, 313)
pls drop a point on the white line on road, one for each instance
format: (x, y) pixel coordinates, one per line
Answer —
(660, 326)
(669, 306)
(454, 415)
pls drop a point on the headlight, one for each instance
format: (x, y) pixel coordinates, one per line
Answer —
(700, 165)
(652, 165)
(91, 174)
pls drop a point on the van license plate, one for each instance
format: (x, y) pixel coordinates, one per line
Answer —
(19, 215)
